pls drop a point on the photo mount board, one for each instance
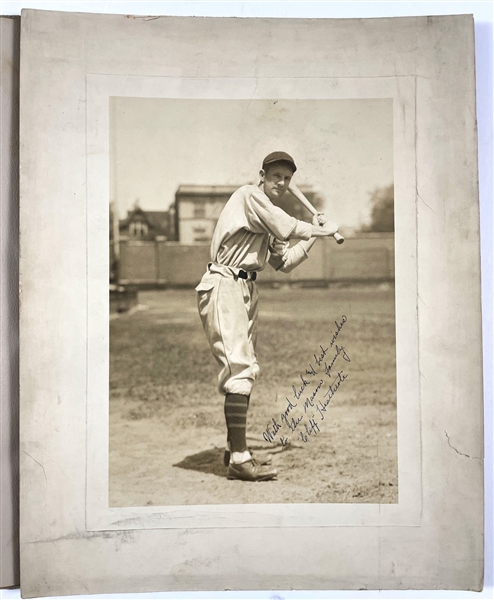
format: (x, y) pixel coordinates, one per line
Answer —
(9, 301)
(67, 546)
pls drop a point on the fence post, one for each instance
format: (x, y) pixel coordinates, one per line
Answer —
(157, 260)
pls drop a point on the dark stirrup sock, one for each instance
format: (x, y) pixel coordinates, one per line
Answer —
(236, 420)
(228, 435)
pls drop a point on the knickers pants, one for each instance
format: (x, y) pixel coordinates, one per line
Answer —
(228, 309)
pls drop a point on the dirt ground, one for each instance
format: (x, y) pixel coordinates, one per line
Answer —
(167, 430)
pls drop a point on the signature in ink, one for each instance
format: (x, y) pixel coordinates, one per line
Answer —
(306, 424)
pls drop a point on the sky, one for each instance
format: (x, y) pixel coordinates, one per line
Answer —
(343, 148)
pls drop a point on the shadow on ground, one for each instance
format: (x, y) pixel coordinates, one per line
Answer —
(211, 461)
(207, 461)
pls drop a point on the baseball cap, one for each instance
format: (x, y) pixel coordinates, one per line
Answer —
(277, 156)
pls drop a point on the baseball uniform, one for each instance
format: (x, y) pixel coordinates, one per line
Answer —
(250, 232)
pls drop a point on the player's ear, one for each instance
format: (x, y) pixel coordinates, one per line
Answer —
(262, 175)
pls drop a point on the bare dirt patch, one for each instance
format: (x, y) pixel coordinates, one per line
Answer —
(167, 428)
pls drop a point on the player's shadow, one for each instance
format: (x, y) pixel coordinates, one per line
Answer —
(207, 461)
(211, 461)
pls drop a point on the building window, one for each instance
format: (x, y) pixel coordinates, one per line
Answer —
(199, 211)
(200, 234)
(138, 229)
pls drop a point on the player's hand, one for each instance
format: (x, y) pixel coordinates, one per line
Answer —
(319, 219)
(328, 228)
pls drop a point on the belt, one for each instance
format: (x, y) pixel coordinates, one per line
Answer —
(232, 271)
(244, 275)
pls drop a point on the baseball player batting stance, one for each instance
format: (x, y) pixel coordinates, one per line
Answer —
(250, 232)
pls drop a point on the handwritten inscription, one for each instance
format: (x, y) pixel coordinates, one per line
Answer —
(309, 402)
(310, 371)
(340, 351)
(271, 430)
(339, 327)
(298, 391)
(307, 407)
(310, 428)
(320, 357)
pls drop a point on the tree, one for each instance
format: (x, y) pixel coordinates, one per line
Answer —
(382, 212)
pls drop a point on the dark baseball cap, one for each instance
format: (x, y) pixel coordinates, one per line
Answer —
(276, 157)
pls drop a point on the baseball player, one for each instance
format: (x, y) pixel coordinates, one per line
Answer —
(250, 232)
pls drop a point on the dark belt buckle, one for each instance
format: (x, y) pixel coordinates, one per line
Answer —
(244, 275)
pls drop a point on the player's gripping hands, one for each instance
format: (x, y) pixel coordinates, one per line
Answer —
(321, 227)
(319, 219)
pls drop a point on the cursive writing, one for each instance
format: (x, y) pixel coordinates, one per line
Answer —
(309, 401)
(290, 422)
(333, 387)
(339, 327)
(298, 392)
(271, 430)
(310, 370)
(310, 428)
(307, 408)
(340, 350)
(321, 356)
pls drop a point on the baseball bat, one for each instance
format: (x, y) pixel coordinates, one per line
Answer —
(305, 201)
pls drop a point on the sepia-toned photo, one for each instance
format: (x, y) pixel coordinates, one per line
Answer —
(252, 302)
(250, 305)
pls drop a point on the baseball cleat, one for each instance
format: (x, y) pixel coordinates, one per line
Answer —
(251, 470)
(263, 459)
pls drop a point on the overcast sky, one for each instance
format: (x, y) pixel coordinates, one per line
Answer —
(343, 148)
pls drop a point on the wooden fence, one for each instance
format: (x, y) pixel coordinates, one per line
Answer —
(367, 257)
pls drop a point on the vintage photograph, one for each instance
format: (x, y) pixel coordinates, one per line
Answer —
(208, 373)
(252, 302)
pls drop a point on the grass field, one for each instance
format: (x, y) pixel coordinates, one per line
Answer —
(167, 428)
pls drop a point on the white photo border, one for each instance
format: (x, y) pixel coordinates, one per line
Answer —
(407, 512)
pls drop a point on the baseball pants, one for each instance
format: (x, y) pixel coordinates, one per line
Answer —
(228, 308)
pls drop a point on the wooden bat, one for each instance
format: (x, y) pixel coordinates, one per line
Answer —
(304, 200)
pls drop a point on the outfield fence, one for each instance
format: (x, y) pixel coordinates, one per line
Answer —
(366, 257)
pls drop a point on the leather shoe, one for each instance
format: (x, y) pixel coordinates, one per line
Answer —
(251, 470)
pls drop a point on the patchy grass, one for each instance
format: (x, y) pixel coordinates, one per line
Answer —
(163, 385)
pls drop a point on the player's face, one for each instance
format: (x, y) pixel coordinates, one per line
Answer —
(276, 180)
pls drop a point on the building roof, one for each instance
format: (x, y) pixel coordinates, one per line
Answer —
(157, 219)
(206, 190)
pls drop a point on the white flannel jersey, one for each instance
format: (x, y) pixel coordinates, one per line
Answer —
(251, 231)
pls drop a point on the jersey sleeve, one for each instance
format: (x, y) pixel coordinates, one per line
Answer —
(285, 259)
(264, 217)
